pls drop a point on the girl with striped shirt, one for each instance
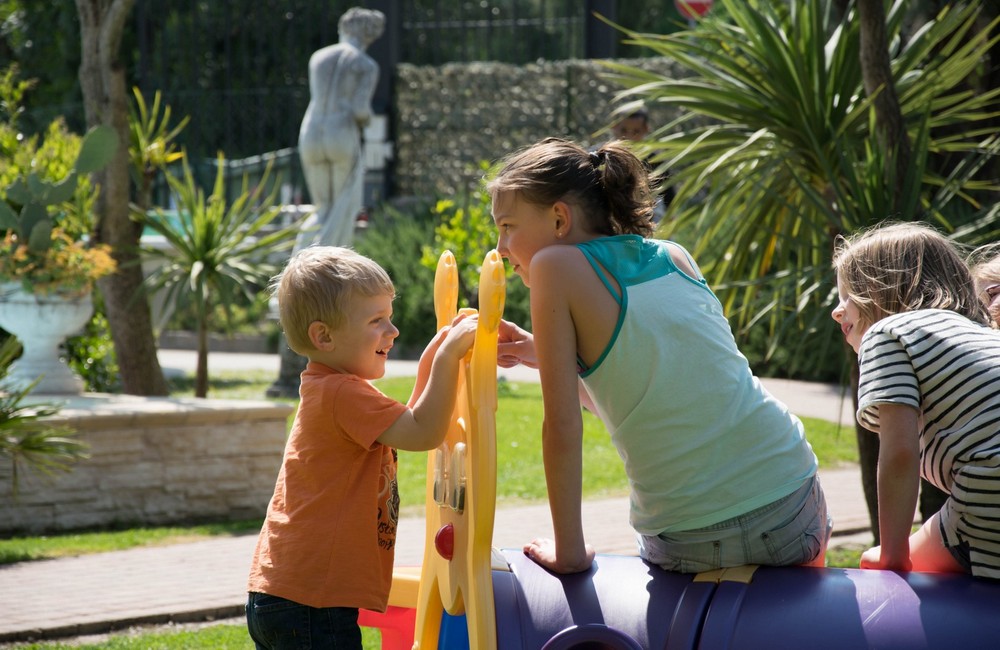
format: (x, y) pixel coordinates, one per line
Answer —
(930, 387)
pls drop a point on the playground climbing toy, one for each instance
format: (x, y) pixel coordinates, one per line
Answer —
(470, 595)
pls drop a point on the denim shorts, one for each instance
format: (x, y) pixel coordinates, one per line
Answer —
(278, 624)
(795, 529)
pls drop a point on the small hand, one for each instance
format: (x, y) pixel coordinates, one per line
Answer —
(543, 551)
(515, 346)
(460, 335)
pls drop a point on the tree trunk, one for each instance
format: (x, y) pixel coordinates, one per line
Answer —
(201, 372)
(877, 73)
(868, 446)
(102, 81)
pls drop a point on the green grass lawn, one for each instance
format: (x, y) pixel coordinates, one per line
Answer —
(520, 479)
(519, 468)
(221, 636)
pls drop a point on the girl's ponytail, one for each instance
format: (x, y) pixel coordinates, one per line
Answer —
(625, 181)
(609, 185)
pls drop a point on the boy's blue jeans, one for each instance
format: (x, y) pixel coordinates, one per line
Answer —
(278, 624)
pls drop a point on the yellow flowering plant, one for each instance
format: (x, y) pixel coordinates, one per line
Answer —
(46, 202)
(68, 267)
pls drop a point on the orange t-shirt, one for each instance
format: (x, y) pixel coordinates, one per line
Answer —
(330, 533)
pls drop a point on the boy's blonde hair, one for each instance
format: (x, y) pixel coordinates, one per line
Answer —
(901, 267)
(318, 284)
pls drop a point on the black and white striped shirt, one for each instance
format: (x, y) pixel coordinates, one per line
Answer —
(948, 368)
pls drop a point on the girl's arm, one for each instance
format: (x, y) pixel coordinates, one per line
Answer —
(898, 484)
(562, 428)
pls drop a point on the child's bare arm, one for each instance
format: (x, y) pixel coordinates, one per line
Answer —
(424, 365)
(556, 338)
(425, 423)
(898, 484)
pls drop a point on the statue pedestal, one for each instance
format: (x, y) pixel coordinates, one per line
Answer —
(292, 365)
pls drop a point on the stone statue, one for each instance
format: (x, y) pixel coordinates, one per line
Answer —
(342, 80)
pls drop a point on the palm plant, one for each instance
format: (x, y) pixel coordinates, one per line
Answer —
(777, 150)
(215, 249)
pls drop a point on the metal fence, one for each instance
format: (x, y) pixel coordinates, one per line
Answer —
(434, 33)
(239, 68)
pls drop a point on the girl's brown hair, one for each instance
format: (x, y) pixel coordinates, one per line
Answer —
(900, 267)
(986, 264)
(986, 272)
(610, 185)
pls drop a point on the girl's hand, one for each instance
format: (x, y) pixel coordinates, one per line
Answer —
(873, 558)
(515, 346)
(543, 552)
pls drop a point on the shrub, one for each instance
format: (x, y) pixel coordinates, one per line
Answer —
(466, 229)
(92, 354)
(395, 238)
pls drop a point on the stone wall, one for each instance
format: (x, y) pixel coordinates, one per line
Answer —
(451, 117)
(154, 461)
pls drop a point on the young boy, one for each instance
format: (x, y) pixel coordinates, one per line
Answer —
(327, 544)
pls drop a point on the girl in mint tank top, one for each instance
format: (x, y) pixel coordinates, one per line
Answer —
(625, 326)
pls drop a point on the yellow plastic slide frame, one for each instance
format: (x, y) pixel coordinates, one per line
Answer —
(461, 474)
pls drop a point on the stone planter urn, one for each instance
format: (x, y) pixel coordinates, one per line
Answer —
(41, 323)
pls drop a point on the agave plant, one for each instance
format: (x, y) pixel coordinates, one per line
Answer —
(152, 143)
(215, 249)
(27, 439)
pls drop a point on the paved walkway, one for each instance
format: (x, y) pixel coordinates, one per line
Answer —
(206, 579)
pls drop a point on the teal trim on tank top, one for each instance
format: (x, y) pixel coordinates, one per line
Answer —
(652, 261)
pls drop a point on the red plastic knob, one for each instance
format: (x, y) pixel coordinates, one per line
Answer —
(444, 541)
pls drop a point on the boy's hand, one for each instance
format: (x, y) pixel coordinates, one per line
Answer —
(439, 337)
(459, 336)
(515, 346)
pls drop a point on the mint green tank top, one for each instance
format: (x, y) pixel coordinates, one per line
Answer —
(701, 438)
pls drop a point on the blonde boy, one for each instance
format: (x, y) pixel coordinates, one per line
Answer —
(327, 544)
